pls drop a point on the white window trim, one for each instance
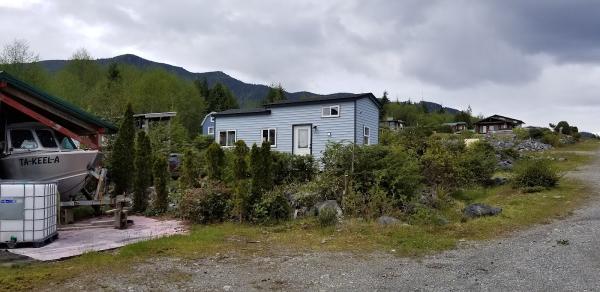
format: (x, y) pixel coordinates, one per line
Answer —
(330, 115)
(367, 136)
(211, 131)
(218, 138)
(269, 129)
(212, 119)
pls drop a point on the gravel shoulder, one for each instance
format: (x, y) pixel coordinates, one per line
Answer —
(561, 256)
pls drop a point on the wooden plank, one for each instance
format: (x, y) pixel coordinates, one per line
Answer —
(36, 116)
(40, 104)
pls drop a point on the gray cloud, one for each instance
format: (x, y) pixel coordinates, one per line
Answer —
(490, 54)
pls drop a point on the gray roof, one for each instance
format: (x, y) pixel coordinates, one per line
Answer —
(250, 111)
(325, 98)
(454, 124)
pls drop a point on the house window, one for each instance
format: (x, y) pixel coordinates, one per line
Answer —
(211, 130)
(227, 138)
(212, 119)
(270, 135)
(332, 111)
(366, 136)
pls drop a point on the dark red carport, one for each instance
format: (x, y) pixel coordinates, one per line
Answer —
(21, 102)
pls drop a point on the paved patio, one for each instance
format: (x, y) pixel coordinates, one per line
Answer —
(78, 240)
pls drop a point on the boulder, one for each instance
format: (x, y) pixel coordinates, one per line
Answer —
(387, 220)
(498, 181)
(505, 164)
(478, 210)
(333, 204)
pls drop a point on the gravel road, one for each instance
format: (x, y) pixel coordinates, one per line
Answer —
(530, 260)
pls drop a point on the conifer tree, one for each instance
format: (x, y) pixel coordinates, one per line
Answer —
(143, 172)
(190, 170)
(215, 158)
(276, 93)
(240, 166)
(261, 168)
(161, 179)
(123, 153)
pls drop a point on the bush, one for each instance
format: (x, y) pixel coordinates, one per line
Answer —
(215, 161)
(273, 206)
(478, 164)
(202, 142)
(440, 166)
(537, 133)
(289, 168)
(327, 217)
(207, 204)
(521, 133)
(551, 139)
(241, 202)
(535, 173)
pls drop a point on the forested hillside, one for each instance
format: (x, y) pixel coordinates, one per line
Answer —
(105, 86)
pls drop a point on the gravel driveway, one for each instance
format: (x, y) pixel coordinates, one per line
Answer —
(530, 260)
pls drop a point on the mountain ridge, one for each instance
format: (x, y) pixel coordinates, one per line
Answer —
(248, 94)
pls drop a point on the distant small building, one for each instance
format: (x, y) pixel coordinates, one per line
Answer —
(390, 123)
(208, 124)
(456, 127)
(143, 121)
(497, 123)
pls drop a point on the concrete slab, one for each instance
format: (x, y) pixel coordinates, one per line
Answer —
(79, 241)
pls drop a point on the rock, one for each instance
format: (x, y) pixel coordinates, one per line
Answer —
(227, 288)
(562, 159)
(505, 164)
(499, 181)
(478, 210)
(387, 220)
(329, 204)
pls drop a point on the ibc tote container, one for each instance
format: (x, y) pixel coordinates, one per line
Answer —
(28, 212)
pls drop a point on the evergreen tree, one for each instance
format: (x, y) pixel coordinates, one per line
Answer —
(240, 166)
(261, 162)
(190, 170)
(123, 153)
(276, 93)
(161, 179)
(220, 98)
(143, 172)
(215, 160)
(384, 102)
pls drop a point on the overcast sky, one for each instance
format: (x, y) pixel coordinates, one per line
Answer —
(538, 61)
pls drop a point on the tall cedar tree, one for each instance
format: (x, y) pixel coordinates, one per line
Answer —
(384, 101)
(261, 169)
(276, 93)
(123, 153)
(190, 170)
(215, 161)
(143, 172)
(161, 179)
(220, 98)
(240, 154)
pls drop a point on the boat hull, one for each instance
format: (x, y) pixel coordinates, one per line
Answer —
(69, 169)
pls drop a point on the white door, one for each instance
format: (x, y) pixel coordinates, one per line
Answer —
(484, 129)
(302, 139)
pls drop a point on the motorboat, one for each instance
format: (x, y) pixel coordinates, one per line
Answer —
(32, 151)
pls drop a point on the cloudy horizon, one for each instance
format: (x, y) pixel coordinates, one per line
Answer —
(531, 60)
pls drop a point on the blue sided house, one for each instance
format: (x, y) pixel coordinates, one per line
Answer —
(305, 126)
(208, 124)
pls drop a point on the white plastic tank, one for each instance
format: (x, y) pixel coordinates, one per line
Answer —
(28, 212)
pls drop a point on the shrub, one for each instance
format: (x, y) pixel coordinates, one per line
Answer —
(215, 161)
(327, 217)
(400, 177)
(273, 206)
(444, 129)
(201, 142)
(537, 133)
(161, 179)
(241, 202)
(535, 173)
(143, 172)
(478, 164)
(423, 215)
(207, 204)
(289, 168)
(440, 166)
(551, 139)
(521, 133)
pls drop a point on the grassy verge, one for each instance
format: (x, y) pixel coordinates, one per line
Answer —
(519, 211)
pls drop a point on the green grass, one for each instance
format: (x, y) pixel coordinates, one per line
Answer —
(519, 211)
